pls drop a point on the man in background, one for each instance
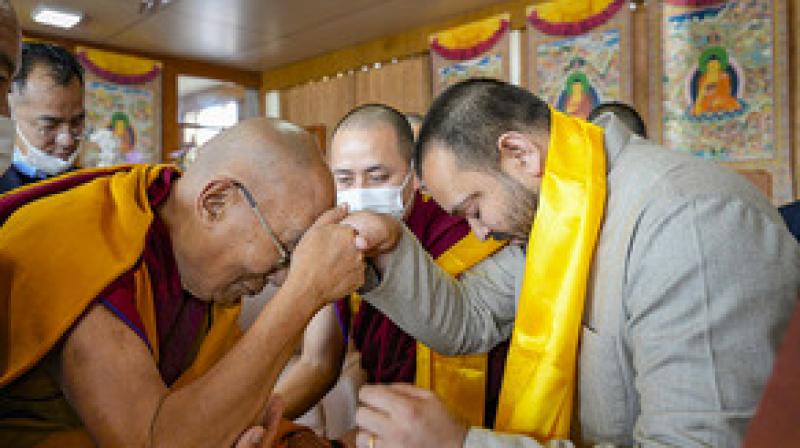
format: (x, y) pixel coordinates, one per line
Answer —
(625, 113)
(46, 101)
(791, 214)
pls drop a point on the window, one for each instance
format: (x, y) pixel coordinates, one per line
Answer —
(199, 126)
(205, 108)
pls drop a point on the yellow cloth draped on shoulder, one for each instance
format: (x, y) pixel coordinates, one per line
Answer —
(539, 381)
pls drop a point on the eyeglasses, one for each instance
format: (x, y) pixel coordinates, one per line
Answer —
(286, 254)
(50, 128)
(51, 132)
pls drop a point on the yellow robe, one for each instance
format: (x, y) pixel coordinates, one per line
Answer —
(459, 381)
(57, 254)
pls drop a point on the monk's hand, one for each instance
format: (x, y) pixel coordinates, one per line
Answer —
(263, 435)
(376, 233)
(326, 261)
(401, 415)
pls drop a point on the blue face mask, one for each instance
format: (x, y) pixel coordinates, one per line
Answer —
(50, 165)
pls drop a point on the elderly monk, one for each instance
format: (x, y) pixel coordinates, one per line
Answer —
(121, 288)
(9, 59)
(646, 290)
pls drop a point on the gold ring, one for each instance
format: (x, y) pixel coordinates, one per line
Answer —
(371, 442)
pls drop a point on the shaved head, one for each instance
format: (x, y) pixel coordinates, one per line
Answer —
(263, 148)
(221, 248)
(373, 116)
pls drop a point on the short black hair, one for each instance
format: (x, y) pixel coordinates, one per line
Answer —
(470, 116)
(369, 115)
(61, 64)
(624, 112)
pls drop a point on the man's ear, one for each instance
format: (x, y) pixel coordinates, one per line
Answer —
(520, 154)
(214, 200)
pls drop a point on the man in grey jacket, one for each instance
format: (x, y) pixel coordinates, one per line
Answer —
(692, 283)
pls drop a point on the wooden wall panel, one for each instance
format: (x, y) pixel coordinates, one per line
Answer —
(405, 85)
(321, 103)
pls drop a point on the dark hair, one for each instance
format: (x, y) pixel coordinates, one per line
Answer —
(625, 113)
(470, 116)
(370, 115)
(61, 64)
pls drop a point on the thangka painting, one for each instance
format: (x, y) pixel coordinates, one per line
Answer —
(475, 50)
(123, 109)
(719, 86)
(579, 54)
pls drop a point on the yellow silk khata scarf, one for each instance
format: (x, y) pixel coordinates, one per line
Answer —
(59, 252)
(460, 381)
(539, 381)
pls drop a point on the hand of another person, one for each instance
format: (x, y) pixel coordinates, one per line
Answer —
(263, 436)
(377, 233)
(326, 259)
(401, 415)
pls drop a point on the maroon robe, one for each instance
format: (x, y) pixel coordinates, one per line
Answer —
(181, 318)
(389, 354)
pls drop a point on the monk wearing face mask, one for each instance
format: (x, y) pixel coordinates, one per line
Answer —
(370, 157)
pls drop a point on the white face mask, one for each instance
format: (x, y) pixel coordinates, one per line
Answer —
(386, 200)
(7, 134)
(44, 162)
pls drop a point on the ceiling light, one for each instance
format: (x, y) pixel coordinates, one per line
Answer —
(151, 6)
(54, 17)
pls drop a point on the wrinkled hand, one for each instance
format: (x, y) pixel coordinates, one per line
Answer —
(263, 436)
(377, 233)
(326, 261)
(401, 415)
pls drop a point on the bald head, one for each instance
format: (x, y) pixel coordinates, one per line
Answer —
(276, 159)
(266, 147)
(221, 247)
(374, 116)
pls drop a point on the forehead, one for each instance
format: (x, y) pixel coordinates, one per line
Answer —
(445, 179)
(358, 148)
(42, 91)
(294, 203)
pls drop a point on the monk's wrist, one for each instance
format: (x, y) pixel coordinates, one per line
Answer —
(305, 295)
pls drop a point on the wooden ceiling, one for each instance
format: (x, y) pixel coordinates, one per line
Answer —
(247, 34)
